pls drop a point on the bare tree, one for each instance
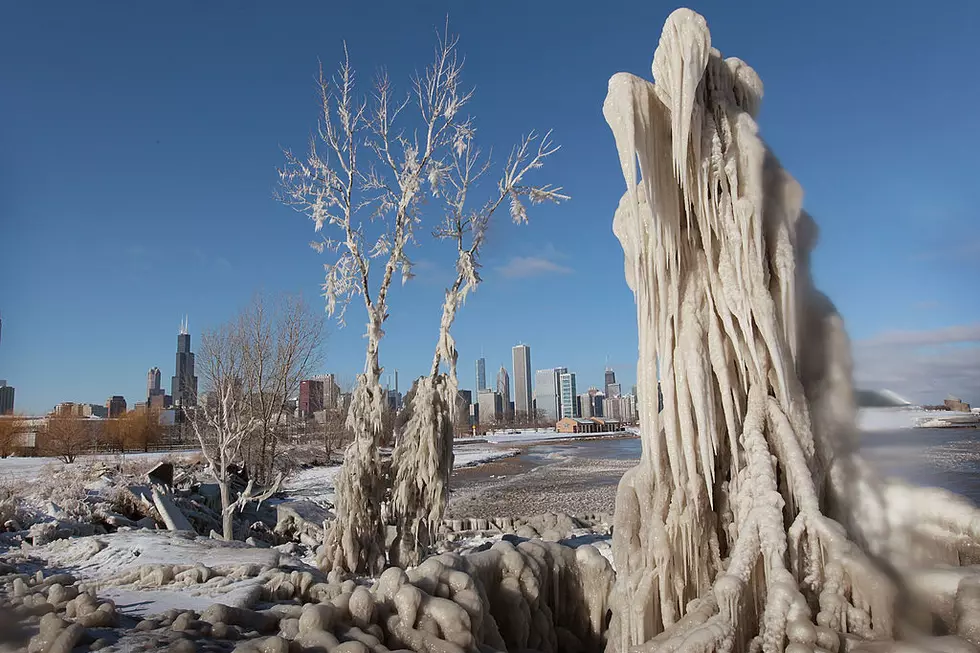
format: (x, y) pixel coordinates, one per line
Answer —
(281, 342)
(137, 430)
(66, 437)
(224, 420)
(11, 429)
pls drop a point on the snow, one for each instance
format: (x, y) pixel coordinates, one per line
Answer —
(890, 419)
(474, 455)
(317, 483)
(107, 559)
(27, 469)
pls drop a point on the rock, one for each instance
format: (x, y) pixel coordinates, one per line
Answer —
(147, 624)
(162, 474)
(105, 616)
(289, 628)
(68, 639)
(318, 617)
(146, 522)
(526, 532)
(48, 631)
(361, 606)
(98, 644)
(182, 622)
(551, 535)
(57, 594)
(171, 514)
(261, 621)
(352, 646)
(182, 645)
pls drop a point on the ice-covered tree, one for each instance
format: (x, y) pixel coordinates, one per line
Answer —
(423, 457)
(750, 522)
(372, 165)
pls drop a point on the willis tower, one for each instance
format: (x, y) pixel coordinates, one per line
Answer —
(183, 385)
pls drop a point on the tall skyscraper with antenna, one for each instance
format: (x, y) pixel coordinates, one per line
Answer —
(481, 374)
(183, 384)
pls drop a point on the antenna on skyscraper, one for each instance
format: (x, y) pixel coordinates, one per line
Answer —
(183, 326)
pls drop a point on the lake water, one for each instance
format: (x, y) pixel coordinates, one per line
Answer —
(947, 458)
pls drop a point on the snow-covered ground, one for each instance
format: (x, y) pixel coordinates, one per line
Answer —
(26, 469)
(316, 483)
(119, 565)
(890, 419)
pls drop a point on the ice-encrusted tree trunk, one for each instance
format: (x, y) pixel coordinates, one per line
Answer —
(367, 187)
(422, 461)
(750, 522)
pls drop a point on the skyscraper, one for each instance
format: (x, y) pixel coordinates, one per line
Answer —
(310, 397)
(481, 374)
(490, 405)
(6, 398)
(463, 405)
(331, 391)
(569, 398)
(546, 392)
(152, 382)
(115, 406)
(503, 389)
(522, 380)
(183, 384)
(610, 380)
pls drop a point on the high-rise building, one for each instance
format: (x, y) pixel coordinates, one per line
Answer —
(569, 398)
(6, 398)
(463, 405)
(310, 397)
(546, 393)
(331, 391)
(585, 406)
(152, 381)
(158, 400)
(614, 390)
(610, 380)
(503, 383)
(522, 381)
(491, 406)
(115, 406)
(394, 399)
(183, 384)
(481, 374)
(597, 397)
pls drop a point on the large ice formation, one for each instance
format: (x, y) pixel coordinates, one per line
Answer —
(750, 523)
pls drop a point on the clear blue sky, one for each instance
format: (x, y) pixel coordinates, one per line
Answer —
(139, 144)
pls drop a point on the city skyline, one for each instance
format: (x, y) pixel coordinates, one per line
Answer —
(897, 234)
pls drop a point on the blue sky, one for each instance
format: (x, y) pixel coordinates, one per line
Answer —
(139, 144)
